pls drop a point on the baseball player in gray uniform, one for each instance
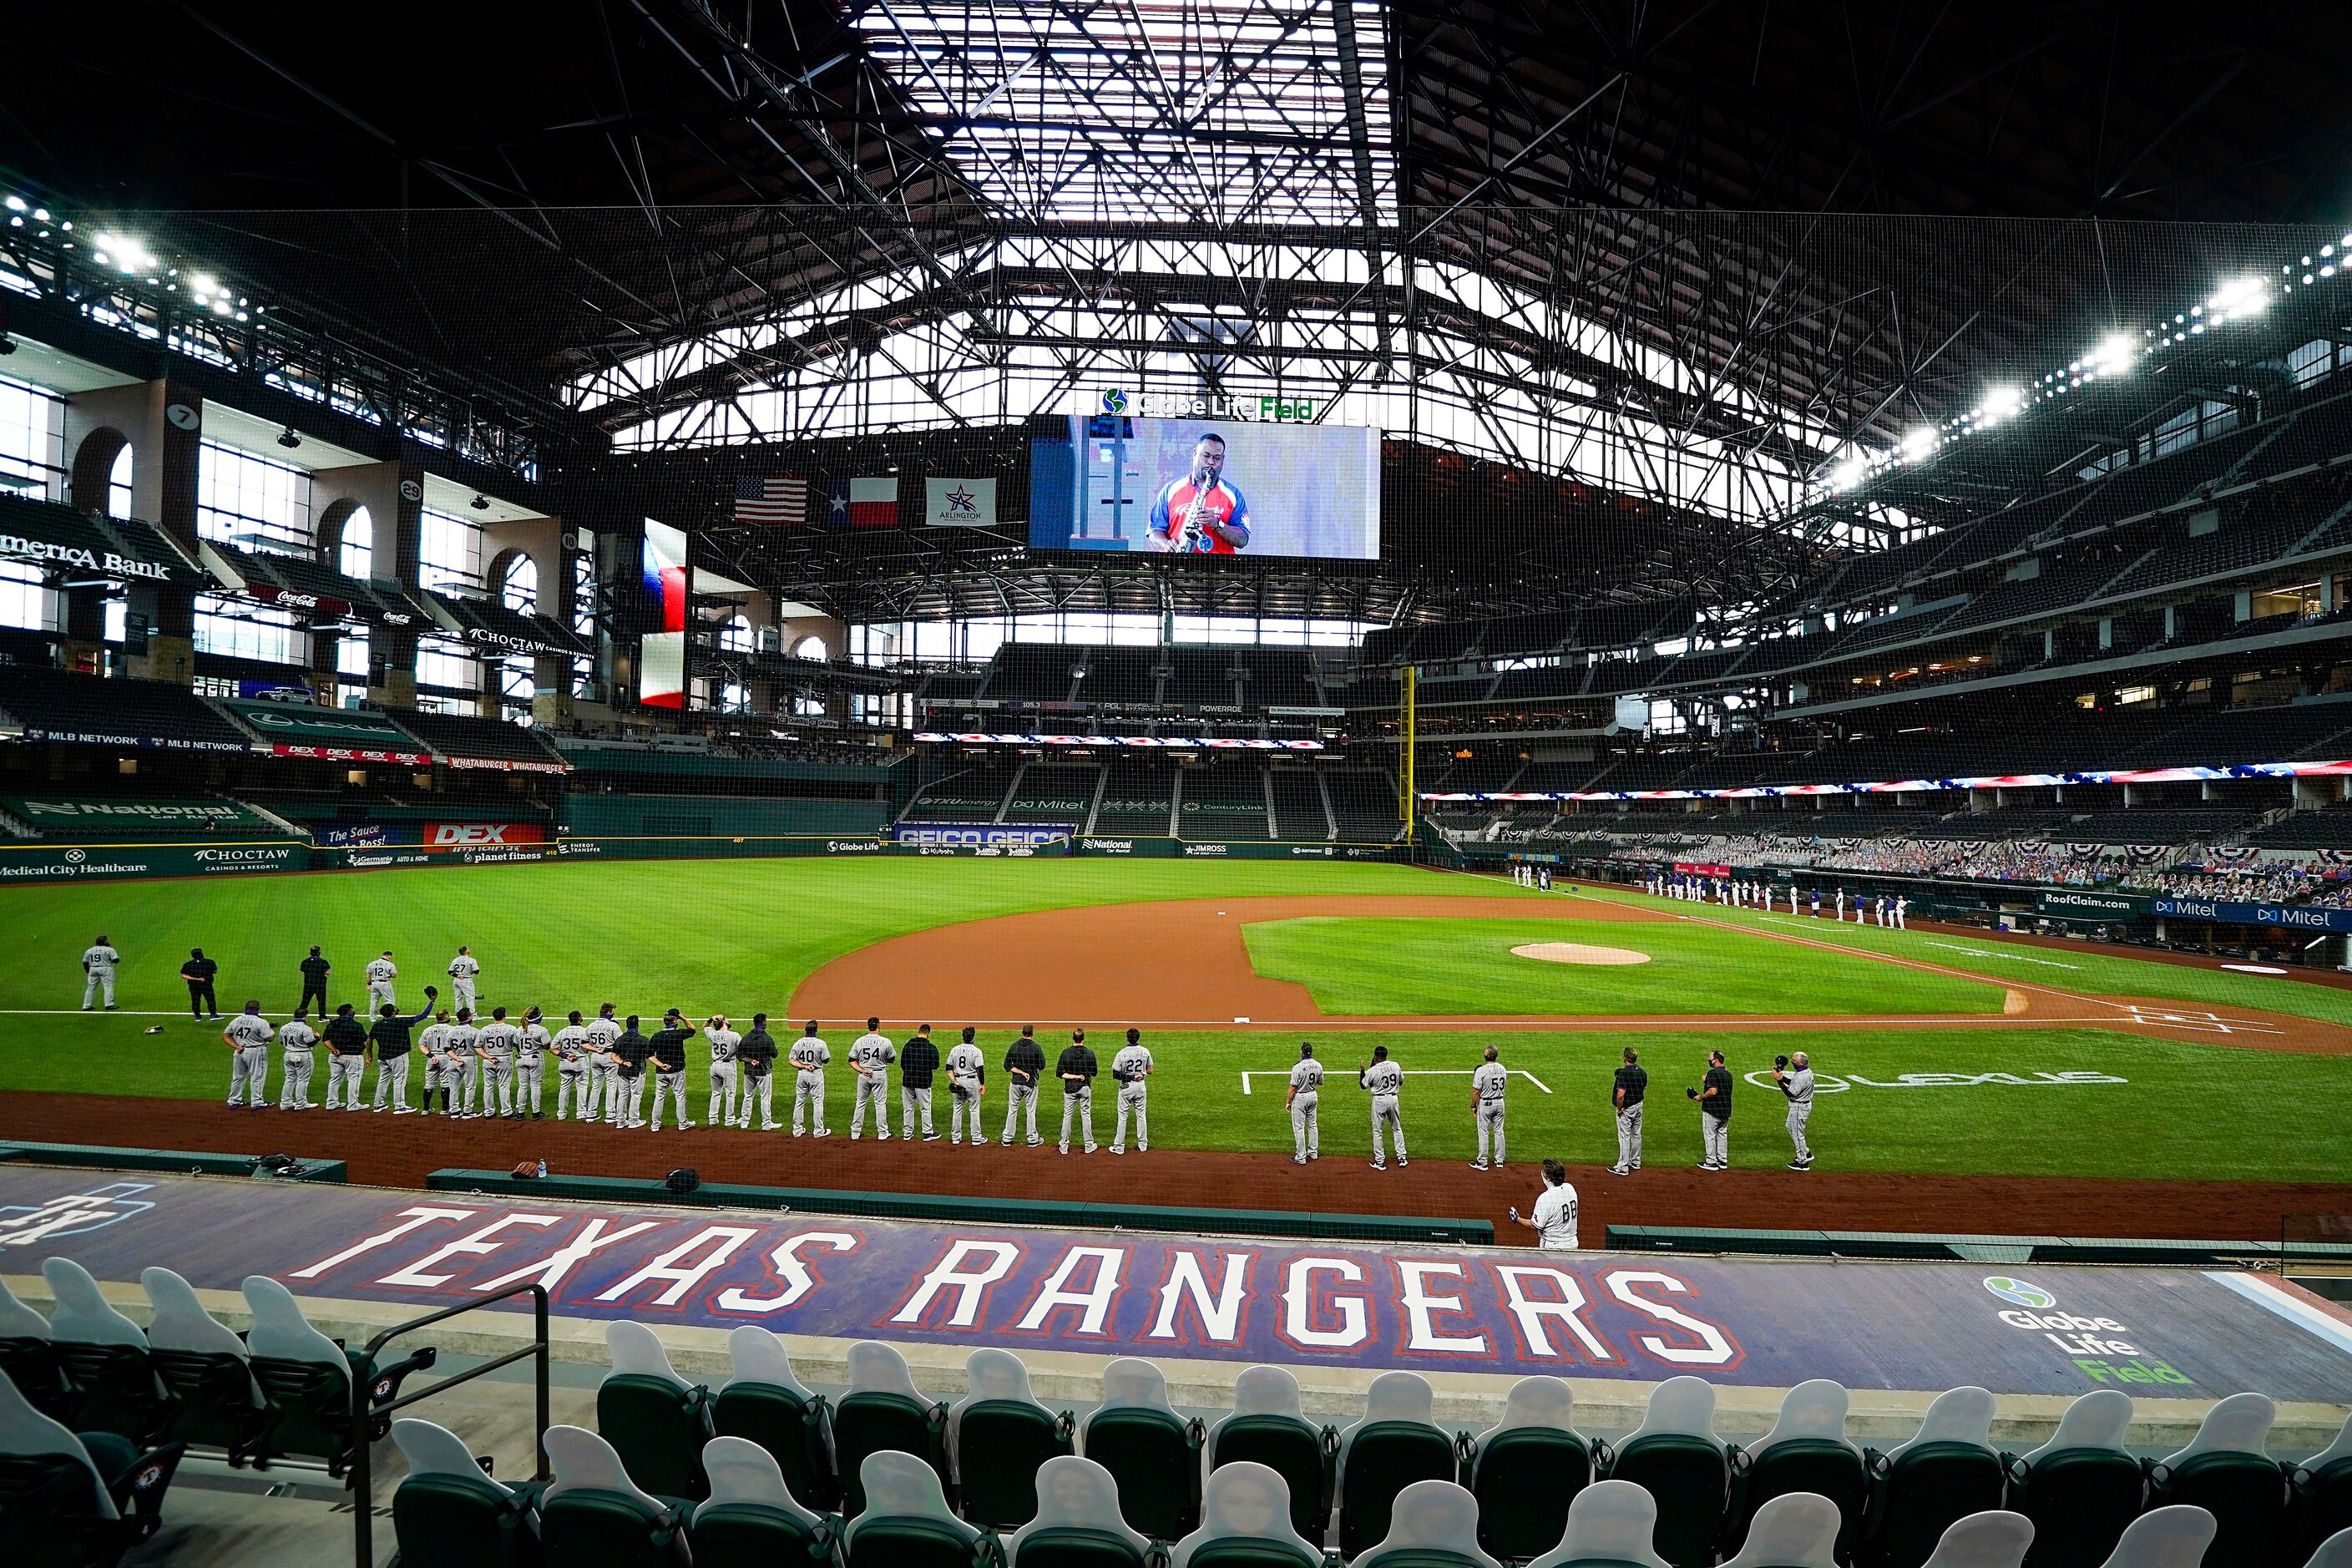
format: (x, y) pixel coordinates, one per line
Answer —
(1306, 1091)
(725, 1077)
(809, 1055)
(1794, 1074)
(531, 1058)
(870, 1055)
(1128, 1068)
(462, 1044)
(1385, 1080)
(296, 1047)
(574, 1063)
(98, 964)
(496, 1046)
(381, 974)
(440, 1067)
(967, 1069)
(462, 973)
(604, 1033)
(1489, 1081)
(248, 1065)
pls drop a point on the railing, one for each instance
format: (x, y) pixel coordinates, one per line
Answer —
(365, 1413)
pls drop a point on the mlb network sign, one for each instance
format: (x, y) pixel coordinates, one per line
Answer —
(1171, 405)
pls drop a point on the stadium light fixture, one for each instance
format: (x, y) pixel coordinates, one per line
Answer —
(2000, 403)
(481, 503)
(288, 439)
(2114, 354)
(2237, 299)
(1919, 443)
(16, 204)
(1850, 473)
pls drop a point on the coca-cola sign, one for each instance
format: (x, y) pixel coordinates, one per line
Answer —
(321, 604)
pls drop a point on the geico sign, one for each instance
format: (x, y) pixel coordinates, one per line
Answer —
(108, 562)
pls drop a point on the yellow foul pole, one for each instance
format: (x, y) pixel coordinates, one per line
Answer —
(1407, 682)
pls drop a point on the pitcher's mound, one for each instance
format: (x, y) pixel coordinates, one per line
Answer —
(1578, 953)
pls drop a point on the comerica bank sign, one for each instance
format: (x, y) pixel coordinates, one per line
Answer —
(1182, 406)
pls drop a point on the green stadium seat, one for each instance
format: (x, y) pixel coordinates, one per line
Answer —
(27, 1358)
(906, 1521)
(71, 1501)
(2174, 1537)
(763, 1400)
(1806, 1451)
(1393, 1444)
(2322, 1497)
(655, 1420)
(1527, 1467)
(217, 1403)
(593, 1515)
(1154, 1453)
(1610, 1525)
(308, 1379)
(1245, 1516)
(1001, 1436)
(448, 1513)
(751, 1519)
(104, 1358)
(1948, 1471)
(1993, 1539)
(1432, 1524)
(881, 1411)
(1795, 1529)
(2335, 1552)
(2081, 1488)
(2224, 1471)
(1077, 1523)
(1675, 1456)
(1269, 1426)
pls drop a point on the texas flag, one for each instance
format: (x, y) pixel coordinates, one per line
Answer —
(861, 503)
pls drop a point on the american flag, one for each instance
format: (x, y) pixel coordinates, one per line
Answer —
(777, 501)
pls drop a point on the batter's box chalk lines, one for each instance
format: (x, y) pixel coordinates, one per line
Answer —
(2208, 1023)
(1409, 1072)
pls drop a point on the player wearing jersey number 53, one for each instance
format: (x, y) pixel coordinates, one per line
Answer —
(1488, 1083)
(1555, 1217)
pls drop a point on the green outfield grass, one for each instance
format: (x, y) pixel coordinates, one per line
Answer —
(2067, 969)
(1438, 968)
(741, 935)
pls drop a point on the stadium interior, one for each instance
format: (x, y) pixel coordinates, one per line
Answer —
(1324, 496)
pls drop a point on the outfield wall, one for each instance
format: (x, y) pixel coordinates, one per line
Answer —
(54, 865)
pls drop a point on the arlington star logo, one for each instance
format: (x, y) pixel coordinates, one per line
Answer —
(1114, 401)
(2019, 1291)
(962, 502)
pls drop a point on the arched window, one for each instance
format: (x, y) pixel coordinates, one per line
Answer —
(519, 589)
(810, 646)
(356, 557)
(734, 698)
(735, 637)
(117, 484)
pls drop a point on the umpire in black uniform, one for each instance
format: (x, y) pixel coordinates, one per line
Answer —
(315, 971)
(198, 973)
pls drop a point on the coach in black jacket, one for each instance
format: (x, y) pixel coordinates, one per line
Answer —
(1076, 1070)
(629, 1078)
(919, 1061)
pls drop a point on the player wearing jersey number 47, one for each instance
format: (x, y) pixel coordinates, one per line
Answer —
(247, 1035)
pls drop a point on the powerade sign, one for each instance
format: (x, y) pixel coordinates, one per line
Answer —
(2290, 917)
(981, 836)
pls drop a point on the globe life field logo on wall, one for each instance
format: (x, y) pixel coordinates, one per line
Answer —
(2088, 1342)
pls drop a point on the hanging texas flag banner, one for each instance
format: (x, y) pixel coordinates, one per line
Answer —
(861, 503)
(960, 503)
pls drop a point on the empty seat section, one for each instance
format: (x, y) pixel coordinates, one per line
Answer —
(1224, 800)
(1364, 804)
(1136, 799)
(1298, 805)
(1053, 795)
(962, 793)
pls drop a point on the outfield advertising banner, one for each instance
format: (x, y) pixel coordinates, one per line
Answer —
(1506, 1311)
(124, 862)
(441, 837)
(83, 815)
(2289, 917)
(969, 836)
